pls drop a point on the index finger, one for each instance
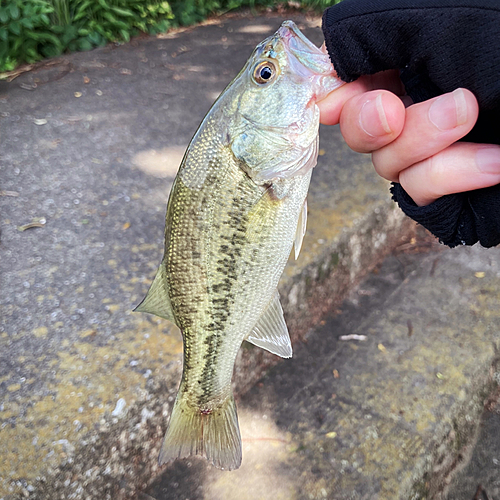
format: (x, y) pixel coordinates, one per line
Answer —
(331, 106)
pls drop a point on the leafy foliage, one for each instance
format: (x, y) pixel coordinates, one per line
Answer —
(31, 30)
(25, 32)
(34, 29)
(318, 5)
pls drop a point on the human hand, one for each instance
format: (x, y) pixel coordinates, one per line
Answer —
(435, 47)
(417, 145)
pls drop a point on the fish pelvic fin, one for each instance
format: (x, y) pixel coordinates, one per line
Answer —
(271, 332)
(157, 300)
(214, 434)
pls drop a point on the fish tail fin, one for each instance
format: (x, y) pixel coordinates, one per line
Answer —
(214, 435)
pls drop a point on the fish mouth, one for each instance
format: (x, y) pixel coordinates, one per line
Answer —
(303, 49)
(290, 33)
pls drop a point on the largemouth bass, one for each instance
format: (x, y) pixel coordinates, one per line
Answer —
(237, 206)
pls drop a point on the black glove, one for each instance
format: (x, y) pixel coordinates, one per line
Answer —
(439, 45)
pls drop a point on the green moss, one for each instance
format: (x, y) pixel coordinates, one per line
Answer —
(334, 260)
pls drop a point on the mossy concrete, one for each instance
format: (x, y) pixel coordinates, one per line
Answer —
(90, 146)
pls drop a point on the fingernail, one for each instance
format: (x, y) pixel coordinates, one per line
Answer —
(449, 111)
(372, 118)
(488, 159)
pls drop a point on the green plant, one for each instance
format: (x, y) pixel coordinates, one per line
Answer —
(25, 32)
(31, 30)
(318, 5)
(120, 19)
(154, 17)
(61, 13)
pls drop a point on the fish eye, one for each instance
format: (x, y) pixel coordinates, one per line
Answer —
(264, 72)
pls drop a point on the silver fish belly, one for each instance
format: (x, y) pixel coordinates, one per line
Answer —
(236, 208)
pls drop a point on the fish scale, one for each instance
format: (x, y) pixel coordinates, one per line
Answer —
(235, 210)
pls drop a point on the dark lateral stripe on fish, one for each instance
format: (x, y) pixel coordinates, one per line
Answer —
(238, 221)
(213, 342)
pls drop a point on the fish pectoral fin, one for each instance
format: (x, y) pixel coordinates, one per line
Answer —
(271, 332)
(157, 300)
(301, 229)
(213, 434)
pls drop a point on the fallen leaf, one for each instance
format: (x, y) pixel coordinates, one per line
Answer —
(78, 94)
(410, 327)
(26, 86)
(479, 274)
(126, 225)
(331, 435)
(86, 79)
(336, 374)
(382, 348)
(37, 222)
(353, 336)
(11, 75)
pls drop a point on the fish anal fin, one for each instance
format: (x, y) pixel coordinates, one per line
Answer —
(301, 229)
(271, 332)
(157, 300)
(213, 434)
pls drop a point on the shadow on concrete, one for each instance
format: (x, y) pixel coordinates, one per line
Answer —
(183, 479)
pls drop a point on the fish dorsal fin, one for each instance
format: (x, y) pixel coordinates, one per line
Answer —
(157, 300)
(301, 229)
(271, 332)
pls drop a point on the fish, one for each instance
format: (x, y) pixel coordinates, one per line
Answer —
(236, 209)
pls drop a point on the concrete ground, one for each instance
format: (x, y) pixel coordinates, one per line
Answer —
(90, 144)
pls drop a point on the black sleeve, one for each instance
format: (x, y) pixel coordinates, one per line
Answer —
(439, 45)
